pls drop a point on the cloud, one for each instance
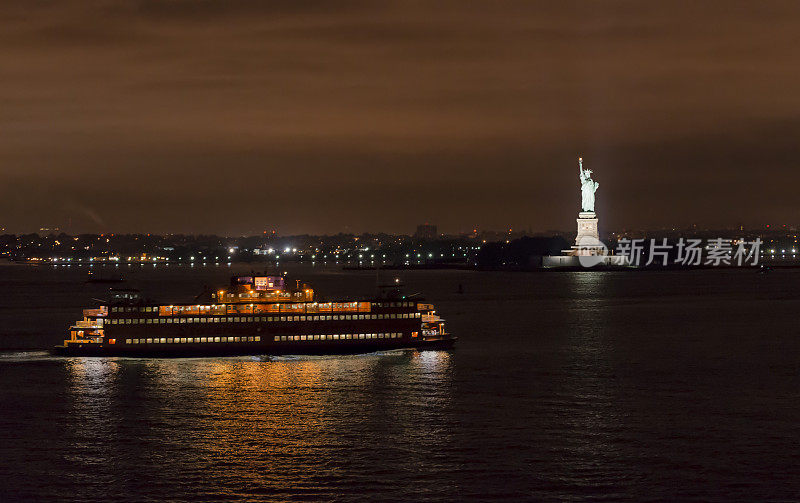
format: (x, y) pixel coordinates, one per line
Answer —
(207, 94)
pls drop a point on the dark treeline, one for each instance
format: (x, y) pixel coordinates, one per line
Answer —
(523, 253)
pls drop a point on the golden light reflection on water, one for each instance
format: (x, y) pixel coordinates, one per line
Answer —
(260, 422)
(93, 375)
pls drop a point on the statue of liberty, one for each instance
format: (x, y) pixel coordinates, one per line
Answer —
(588, 187)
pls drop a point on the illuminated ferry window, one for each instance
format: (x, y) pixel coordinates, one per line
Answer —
(250, 339)
(127, 341)
(136, 341)
(237, 319)
(216, 339)
(302, 337)
(163, 340)
(169, 340)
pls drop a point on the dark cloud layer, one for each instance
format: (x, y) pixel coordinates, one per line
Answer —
(235, 116)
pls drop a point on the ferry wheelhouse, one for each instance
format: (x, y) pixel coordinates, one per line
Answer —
(255, 315)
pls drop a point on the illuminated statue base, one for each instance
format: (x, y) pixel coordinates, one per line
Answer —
(587, 242)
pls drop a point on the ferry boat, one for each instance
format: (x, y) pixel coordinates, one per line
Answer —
(255, 315)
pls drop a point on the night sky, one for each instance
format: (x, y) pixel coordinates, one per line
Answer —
(234, 117)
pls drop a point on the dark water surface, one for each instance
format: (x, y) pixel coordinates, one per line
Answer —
(563, 386)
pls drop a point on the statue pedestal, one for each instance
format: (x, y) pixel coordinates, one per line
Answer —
(587, 242)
